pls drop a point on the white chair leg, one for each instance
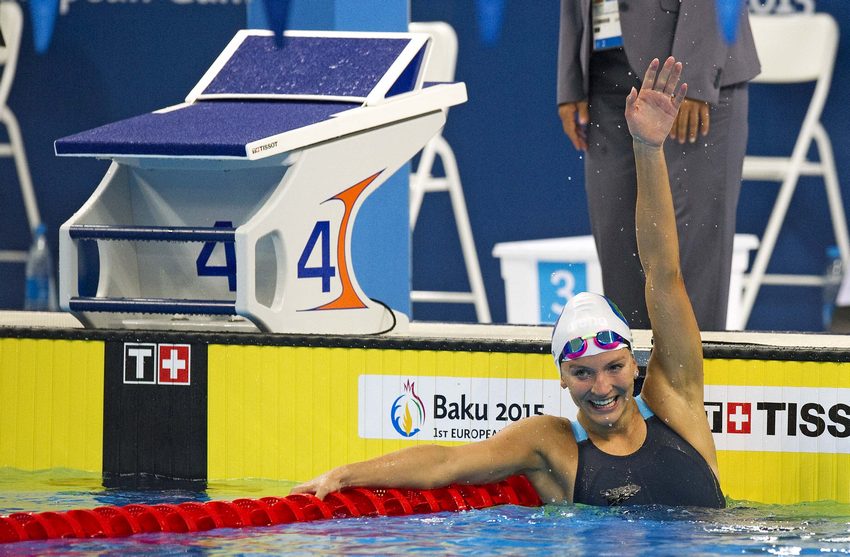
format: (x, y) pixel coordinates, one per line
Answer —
(470, 255)
(423, 181)
(17, 145)
(833, 193)
(768, 241)
(419, 178)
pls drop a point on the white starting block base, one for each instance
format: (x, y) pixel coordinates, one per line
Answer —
(541, 275)
(235, 210)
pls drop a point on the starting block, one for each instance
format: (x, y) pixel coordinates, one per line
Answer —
(234, 209)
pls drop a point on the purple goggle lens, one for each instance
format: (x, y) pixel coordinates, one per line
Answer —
(606, 340)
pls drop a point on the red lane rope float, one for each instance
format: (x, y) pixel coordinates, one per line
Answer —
(117, 522)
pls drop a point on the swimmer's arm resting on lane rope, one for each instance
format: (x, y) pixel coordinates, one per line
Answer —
(524, 447)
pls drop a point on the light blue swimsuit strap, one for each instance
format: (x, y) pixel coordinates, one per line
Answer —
(578, 431)
(644, 409)
(581, 435)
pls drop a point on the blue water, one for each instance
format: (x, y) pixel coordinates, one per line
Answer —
(804, 529)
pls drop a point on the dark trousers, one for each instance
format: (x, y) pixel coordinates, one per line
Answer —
(705, 179)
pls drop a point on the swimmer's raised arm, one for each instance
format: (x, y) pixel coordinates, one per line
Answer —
(521, 448)
(650, 114)
(674, 383)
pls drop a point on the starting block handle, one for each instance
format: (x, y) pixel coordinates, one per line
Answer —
(152, 233)
(153, 305)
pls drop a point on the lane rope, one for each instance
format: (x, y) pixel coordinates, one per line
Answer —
(119, 522)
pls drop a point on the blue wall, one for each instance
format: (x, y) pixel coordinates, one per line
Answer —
(106, 61)
(521, 177)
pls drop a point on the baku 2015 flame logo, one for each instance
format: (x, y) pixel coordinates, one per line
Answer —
(408, 412)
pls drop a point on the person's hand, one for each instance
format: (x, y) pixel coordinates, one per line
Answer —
(320, 486)
(650, 113)
(692, 117)
(574, 118)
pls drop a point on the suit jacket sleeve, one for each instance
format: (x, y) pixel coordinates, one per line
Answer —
(572, 51)
(709, 62)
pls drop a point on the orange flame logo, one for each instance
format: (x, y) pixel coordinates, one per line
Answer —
(407, 422)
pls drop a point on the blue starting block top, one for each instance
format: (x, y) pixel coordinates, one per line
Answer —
(264, 96)
(204, 129)
(348, 68)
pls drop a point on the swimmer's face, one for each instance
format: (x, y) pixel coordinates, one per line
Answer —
(601, 385)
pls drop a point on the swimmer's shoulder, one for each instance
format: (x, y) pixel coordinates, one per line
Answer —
(554, 477)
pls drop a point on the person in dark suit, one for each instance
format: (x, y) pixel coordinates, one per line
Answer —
(604, 44)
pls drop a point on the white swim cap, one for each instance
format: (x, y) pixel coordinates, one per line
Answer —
(585, 315)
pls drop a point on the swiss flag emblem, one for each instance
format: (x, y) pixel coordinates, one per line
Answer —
(174, 364)
(739, 417)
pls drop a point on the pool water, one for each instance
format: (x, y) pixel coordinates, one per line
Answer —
(743, 528)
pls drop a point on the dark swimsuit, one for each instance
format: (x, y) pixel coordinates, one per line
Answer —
(665, 470)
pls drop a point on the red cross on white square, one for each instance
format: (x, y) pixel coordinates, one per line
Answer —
(174, 366)
(738, 417)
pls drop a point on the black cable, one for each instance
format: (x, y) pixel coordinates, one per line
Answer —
(392, 314)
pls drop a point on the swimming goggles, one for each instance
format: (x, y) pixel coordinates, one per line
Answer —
(606, 340)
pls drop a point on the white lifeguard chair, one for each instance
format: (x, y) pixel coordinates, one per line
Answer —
(235, 209)
(441, 68)
(11, 27)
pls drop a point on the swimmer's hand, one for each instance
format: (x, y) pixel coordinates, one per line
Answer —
(321, 485)
(651, 112)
